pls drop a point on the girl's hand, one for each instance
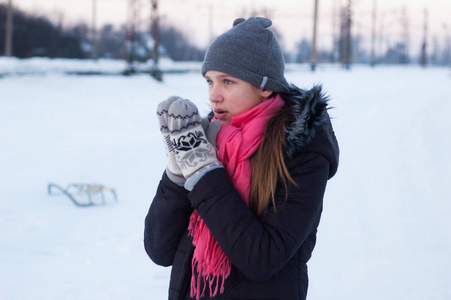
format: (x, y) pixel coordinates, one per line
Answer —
(194, 154)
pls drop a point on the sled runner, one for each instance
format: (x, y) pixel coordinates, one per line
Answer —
(83, 195)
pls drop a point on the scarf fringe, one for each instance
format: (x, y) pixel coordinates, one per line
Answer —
(210, 265)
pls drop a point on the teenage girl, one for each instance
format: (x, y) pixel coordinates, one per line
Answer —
(237, 209)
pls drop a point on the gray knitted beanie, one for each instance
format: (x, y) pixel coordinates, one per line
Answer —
(251, 52)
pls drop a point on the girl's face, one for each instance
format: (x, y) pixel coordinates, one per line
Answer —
(230, 96)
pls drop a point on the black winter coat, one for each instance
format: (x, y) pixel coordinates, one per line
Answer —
(268, 255)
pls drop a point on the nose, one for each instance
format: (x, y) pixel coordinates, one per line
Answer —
(215, 94)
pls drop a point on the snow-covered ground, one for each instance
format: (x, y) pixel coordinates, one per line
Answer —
(385, 231)
(44, 65)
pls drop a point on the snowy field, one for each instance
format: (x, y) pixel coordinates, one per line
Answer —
(386, 227)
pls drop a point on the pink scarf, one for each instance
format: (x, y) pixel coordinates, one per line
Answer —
(236, 143)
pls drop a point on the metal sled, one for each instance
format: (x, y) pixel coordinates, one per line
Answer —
(82, 194)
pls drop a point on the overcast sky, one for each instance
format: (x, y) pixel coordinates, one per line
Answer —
(202, 19)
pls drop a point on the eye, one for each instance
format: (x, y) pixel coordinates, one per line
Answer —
(209, 82)
(228, 82)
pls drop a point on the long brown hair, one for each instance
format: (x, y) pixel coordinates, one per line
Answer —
(268, 165)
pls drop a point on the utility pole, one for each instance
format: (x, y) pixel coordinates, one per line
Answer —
(335, 24)
(9, 30)
(131, 37)
(346, 37)
(381, 44)
(373, 35)
(404, 46)
(313, 51)
(94, 31)
(155, 71)
(424, 44)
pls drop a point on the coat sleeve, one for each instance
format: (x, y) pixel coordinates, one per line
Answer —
(166, 221)
(260, 248)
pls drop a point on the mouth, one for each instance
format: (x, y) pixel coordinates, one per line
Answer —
(220, 113)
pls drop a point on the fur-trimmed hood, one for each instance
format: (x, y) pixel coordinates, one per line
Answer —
(309, 126)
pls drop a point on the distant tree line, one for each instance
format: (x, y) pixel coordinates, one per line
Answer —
(394, 54)
(38, 36)
(177, 45)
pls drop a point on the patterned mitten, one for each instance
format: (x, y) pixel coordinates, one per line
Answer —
(172, 171)
(194, 154)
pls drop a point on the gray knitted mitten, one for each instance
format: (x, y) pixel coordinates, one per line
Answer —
(194, 154)
(173, 170)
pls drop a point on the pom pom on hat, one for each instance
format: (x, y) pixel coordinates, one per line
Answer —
(249, 51)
